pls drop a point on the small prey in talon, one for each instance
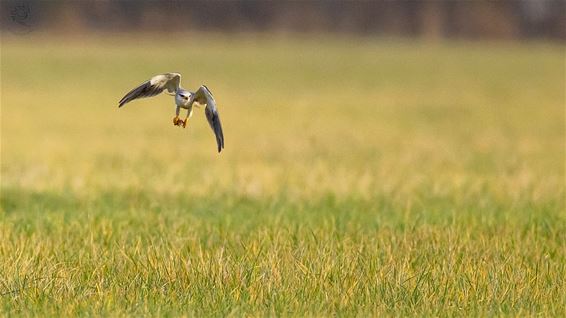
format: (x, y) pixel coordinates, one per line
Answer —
(171, 84)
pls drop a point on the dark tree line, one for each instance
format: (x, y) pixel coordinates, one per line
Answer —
(426, 18)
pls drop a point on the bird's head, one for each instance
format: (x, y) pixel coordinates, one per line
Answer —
(185, 96)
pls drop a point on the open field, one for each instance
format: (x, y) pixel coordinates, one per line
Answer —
(360, 177)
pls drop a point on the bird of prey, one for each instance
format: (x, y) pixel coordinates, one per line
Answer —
(171, 84)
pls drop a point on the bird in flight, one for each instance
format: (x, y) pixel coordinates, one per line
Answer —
(171, 84)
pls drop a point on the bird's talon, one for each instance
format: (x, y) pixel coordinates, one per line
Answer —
(184, 122)
(176, 121)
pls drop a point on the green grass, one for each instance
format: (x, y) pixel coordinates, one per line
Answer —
(360, 178)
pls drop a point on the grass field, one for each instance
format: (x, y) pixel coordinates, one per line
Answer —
(360, 178)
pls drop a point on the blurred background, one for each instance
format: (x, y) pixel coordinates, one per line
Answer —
(427, 19)
(347, 97)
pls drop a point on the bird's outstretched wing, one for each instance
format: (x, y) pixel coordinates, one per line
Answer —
(203, 96)
(154, 86)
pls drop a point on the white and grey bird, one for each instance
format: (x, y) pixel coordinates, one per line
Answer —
(171, 82)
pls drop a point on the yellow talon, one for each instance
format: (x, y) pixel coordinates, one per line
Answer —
(185, 122)
(176, 120)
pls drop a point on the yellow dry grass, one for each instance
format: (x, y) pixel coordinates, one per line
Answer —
(360, 177)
